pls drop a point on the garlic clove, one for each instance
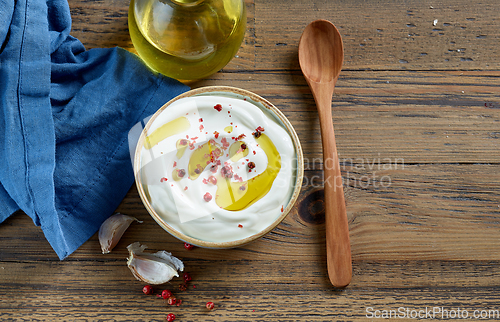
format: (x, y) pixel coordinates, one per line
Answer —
(152, 268)
(112, 230)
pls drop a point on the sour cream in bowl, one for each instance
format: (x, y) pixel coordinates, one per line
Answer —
(218, 167)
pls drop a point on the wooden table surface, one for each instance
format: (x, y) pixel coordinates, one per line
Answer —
(417, 118)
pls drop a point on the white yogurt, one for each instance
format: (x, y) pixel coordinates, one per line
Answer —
(181, 201)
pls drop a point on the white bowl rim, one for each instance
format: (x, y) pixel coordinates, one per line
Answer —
(238, 242)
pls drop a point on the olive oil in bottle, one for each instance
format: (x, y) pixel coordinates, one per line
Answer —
(187, 39)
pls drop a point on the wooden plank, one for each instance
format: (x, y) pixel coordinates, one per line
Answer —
(421, 117)
(381, 34)
(386, 34)
(433, 212)
(274, 291)
(416, 114)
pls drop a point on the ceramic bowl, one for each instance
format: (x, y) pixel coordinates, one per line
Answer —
(144, 177)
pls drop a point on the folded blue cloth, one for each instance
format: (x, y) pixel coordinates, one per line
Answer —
(65, 117)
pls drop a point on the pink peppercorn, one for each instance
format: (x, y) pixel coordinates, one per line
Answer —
(166, 294)
(171, 300)
(148, 289)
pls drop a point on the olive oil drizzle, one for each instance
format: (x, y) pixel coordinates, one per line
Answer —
(236, 195)
(232, 194)
(236, 152)
(200, 159)
(173, 127)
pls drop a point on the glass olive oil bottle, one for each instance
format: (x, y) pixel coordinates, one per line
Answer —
(187, 39)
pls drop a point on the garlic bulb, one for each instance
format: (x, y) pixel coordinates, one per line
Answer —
(152, 268)
(112, 230)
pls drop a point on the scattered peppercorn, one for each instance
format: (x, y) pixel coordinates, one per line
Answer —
(181, 173)
(210, 306)
(251, 165)
(239, 137)
(187, 277)
(182, 287)
(207, 197)
(148, 289)
(170, 317)
(226, 171)
(257, 134)
(171, 300)
(218, 107)
(188, 246)
(243, 146)
(212, 180)
(166, 294)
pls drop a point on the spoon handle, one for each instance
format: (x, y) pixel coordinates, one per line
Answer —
(338, 246)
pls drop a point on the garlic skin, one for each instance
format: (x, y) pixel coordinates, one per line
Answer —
(152, 268)
(112, 230)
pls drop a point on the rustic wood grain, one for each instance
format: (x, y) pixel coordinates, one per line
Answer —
(395, 35)
(417, 119)
(276, 291)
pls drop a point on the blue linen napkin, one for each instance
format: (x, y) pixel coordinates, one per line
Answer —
(64, 121)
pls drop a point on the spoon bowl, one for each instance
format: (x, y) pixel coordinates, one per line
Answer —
(321, 64)
(321, 54)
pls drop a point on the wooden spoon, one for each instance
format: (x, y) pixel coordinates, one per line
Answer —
(320, 56)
